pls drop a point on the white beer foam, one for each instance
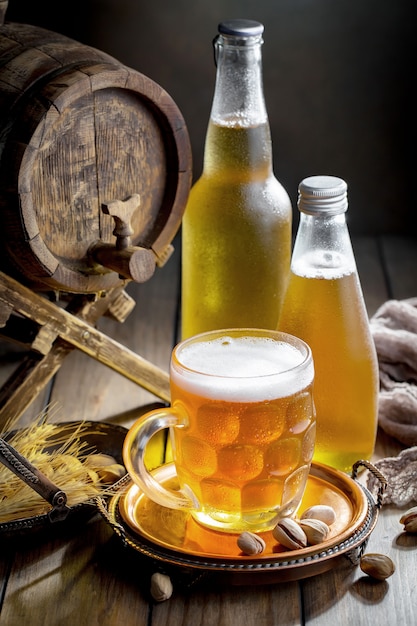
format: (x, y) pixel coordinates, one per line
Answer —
(246, 369)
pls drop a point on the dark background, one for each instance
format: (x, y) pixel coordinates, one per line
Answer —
(338, 82)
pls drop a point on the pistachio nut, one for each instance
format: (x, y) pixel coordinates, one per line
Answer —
(250, 543)
(316, 531)
(290, 534)
(409, 519)
(321, 512)
(161, 587)
(378, 566)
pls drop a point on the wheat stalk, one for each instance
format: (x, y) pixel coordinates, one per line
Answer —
(64, 465)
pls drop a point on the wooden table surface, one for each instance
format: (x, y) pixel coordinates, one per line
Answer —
(80, 573)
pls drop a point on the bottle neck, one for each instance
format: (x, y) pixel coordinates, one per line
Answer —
(238, 145)
(238, 95)
(323, 248)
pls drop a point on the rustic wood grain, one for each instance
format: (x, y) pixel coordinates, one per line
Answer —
(80, 130)
(260, 605)
(400, 259)
(10, 361)
(43, 590)
(368, 257)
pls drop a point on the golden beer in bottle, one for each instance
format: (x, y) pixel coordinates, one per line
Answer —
(236, 229)
(324, 306)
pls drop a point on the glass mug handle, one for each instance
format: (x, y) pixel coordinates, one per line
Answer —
(134, 448)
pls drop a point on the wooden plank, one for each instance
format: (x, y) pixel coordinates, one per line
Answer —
(77, 576)
(243, 606)
(370, 270)
(9, 363)
(400, 258)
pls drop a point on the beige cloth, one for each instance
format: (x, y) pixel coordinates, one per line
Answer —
(394, 329)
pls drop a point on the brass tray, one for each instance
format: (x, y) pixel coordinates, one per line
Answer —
(173, 538)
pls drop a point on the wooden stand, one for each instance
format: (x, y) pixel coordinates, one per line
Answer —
(50, 332)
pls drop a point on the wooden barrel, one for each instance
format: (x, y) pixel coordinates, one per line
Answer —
(79, 131)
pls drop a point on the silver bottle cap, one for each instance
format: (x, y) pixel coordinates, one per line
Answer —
(241, 28)
(322, 194)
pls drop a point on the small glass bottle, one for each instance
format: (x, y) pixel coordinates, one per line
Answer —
(236, 229)
(324, 305)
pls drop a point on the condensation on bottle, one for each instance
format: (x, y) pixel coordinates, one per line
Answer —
(236, 229)
(324, 305)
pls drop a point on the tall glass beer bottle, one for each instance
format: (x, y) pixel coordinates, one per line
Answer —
(324, 305)
(236, 229)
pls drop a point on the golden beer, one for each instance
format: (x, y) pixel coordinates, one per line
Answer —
(236, 235)
(327, 310)
(242, 425)
(244, 452)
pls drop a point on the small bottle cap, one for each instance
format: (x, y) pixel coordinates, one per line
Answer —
(241, 28)
(322, 194)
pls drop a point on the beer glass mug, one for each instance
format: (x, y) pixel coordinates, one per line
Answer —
(242, 425)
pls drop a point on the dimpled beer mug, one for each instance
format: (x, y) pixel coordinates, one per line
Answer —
(242, 425)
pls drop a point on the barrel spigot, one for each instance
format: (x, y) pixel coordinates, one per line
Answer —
(130, 262)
